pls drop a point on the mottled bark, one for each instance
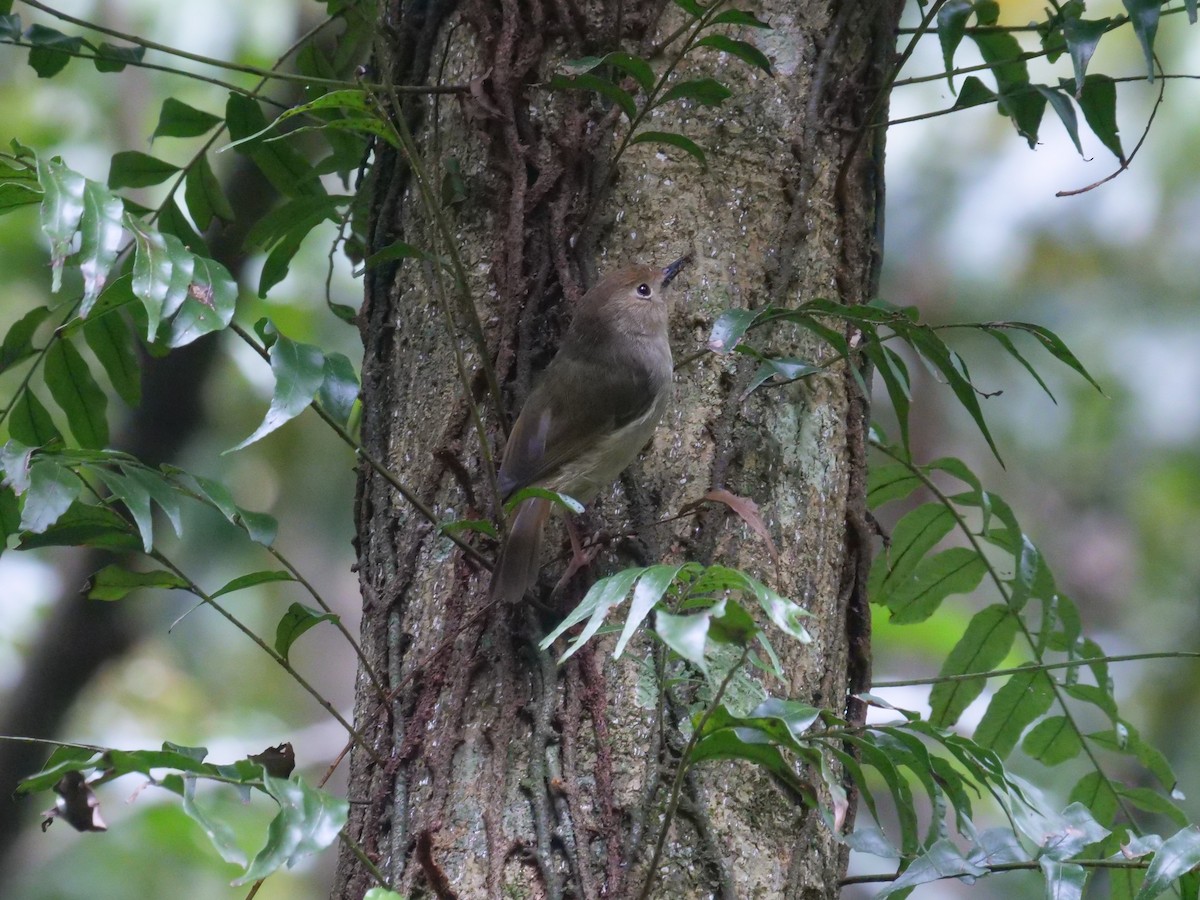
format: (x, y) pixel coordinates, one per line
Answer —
(508, 775)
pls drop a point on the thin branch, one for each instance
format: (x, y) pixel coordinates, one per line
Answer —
(1039, 667)
(1030, 865)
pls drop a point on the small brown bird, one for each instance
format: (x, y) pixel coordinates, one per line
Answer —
(595, 407)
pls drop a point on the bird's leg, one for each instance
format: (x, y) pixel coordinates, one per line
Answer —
(580, 558)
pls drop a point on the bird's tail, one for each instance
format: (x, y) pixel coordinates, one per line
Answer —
(517, 568)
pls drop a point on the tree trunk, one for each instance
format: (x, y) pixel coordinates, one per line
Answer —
(496, 772)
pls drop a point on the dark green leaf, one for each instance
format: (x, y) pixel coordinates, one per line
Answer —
(1143, 15)
(912, 539)
(61, 761)
(1095, 791)
(570, 504)
(111, 58)
(177, 119)
(706, 91)
(692, 7)
(254, 579)
(114, 582)
(729, 328)
(204, 196)
(729, 743)
(88, 526)
(75, 391)
(483, 526)
(52, 50)
(286, 170)
(208, 306)
(743, 50)
(339, 389)
(951, 25)
(62, 208)
(394, 251)
(299, 371)
(601, 86)
(18, 187)
(1082, 37)
(974, 93)
(132, 168)
(30, 423)
(218, 830)
(1021, 700)
(1061, 104)
(18, 342)
(52, 489)
(737, 17)
(308, 822)
(136, 499)
(886, 483)
(634, 66)
(297, 620)
(1099, 104)
(916, 596)
(1152, 801)
(259, 527)
(674, 140)
(10, 23)
(983, 646)
(159, 489)
(111, 340)
(172, 221)
(1052, 741)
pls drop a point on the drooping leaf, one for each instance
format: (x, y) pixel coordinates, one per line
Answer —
(101, 231)
(18, 342)
(1082, 37)
(297, 620)
(83, 525)
(916, 596)
(600, 85)
(109, 337)
(62, 209)
(219, 831)
(913, 537)
(600, 598)
(672, 139)
(1143, 15)
(287, 170)
(1061, 104)
(651, 587)
(1099, 104)
(132, 168)
(951, 26)
(178, 119)
(73, 388)
(1021, 700)
(339, 387)
(985, 643)
(52, 489)
(51, 50)
(112, 58)
(30, 423)
(114, 582)
(162, 271)
(136, 499)
(308, 821)
(705, 91)
(743, 50)
(942, 860)
(299, 371)
(204, 197)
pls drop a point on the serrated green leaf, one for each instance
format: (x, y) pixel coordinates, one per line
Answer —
(1013, 708)
(208, 305)
(52, 50)
(114, 582)
(299, 371)
(986, 641)
(252, 579)
(339, 387)
(204, 197)
(110, 339)
(112, 58)
(1082, 37)
(52, 489)
(308, 822)
(674, 140)
(132, 168)
(101, 231)
(178, 119)
(30, 423)
(18, 342)
(705, 91)
(73, 388)
(599, 85)
(62, 209)
(297, 620)
(917, 596)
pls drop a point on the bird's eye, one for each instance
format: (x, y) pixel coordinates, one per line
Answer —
(643, 290)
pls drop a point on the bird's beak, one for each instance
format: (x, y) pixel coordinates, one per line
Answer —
(674, 268)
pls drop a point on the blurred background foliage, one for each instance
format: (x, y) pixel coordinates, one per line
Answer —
(1108, 485)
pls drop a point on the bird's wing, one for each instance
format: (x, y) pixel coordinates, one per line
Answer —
(556, 426)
